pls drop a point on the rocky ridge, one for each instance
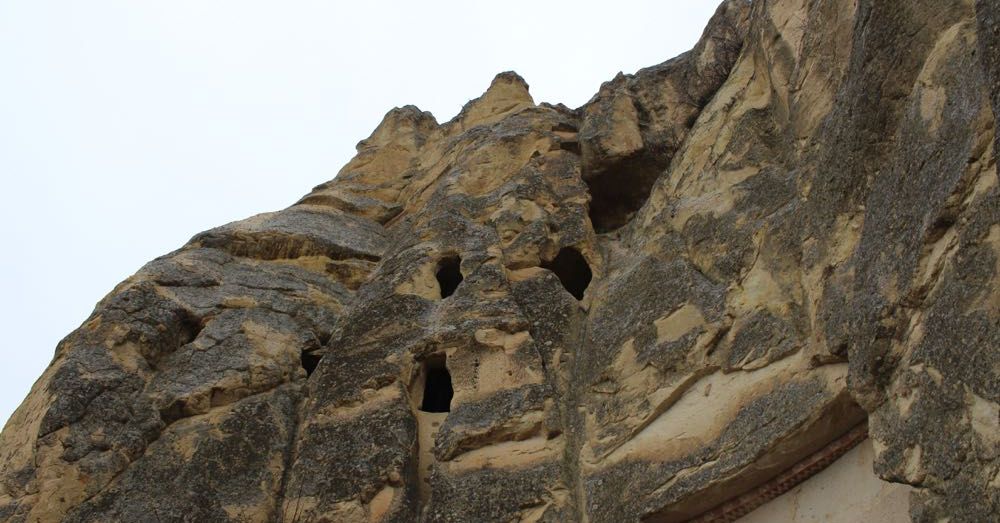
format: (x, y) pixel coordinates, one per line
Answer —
(648, 308)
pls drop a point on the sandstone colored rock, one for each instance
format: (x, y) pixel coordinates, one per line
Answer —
(675, 302)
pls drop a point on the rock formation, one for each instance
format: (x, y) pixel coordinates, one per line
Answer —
(674, 302)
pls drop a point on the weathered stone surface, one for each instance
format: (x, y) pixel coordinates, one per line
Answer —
(846, 492)
(667, 301)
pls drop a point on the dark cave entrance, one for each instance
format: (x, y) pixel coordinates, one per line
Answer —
(449, 275)
(572, 269)
(309, 361)
(437, 385)
(618, 191)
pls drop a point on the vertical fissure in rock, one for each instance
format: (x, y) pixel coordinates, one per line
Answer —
(449, 275)
(574, 418)
(432, 393)
(288, 460)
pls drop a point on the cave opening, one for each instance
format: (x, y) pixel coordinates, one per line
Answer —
(309, 361)
(437, 385)
(449, 275)
(572, 270)
(617, 192)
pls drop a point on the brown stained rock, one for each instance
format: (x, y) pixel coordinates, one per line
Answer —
(670, 303)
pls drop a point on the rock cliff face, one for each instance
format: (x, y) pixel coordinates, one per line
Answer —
(673, 302)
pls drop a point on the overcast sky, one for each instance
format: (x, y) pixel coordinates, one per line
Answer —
(128, 126)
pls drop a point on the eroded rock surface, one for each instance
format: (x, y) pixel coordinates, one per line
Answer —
(641, 309)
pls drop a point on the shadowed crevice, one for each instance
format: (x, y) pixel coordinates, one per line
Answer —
(437, 385)
(310, 360)
(620, 190)
(572, 269)
(449, 275)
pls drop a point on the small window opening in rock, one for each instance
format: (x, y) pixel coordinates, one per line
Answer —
(572, 269)
(449, 275)
(309, 361)
(190, 327)
(618, 191)
(437, 385)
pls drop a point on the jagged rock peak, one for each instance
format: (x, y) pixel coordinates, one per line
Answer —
(760, 280)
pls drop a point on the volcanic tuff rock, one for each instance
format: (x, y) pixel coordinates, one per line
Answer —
(709, 275)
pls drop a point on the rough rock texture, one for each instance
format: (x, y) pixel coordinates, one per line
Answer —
(647, 307)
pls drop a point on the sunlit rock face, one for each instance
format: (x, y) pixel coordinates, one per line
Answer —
(675, 302)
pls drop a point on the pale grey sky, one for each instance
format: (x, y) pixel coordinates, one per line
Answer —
(126, 127)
